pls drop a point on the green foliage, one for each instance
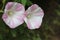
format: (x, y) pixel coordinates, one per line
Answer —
(58, 12)
(28, 3)
(23, 2)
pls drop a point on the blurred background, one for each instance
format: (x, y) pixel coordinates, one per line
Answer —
(49, 30)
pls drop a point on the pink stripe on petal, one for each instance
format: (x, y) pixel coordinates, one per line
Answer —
(9, 5)
(19, 7)
(29, 25)
(41, 14)
(25, 14)
(34, 7)
(12, 25)
(5, 16)
(37, 24)
(20, 19)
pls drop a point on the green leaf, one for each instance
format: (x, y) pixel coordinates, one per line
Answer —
(23, 2)
(29, 3)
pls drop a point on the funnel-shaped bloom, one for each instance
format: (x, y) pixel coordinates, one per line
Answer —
(34, 16)
(13, 14)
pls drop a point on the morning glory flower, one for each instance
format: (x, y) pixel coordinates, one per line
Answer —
(13, 14)
(34, 15)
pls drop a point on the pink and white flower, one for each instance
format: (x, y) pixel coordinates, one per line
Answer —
(13, 14)
(34, 16)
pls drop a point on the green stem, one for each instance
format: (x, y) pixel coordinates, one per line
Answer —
(3, 3)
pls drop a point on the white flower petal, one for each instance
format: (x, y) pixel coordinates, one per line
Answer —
(13, 16)
(34, 17)
(34, 22)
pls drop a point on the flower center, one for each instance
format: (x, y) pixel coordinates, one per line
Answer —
(29, 16)
(10, 13)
